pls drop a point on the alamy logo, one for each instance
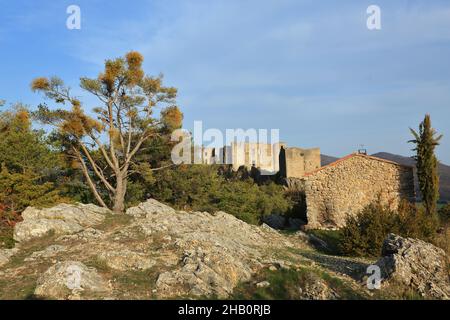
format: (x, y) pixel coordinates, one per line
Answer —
(73, 21)
(374, 280)
(255, 147)
(73, 277)
(374, 20)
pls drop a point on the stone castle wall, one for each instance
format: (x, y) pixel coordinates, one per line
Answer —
(260, 155)
(267, 158)
(312, 159)
(296, 162)
(351, 183)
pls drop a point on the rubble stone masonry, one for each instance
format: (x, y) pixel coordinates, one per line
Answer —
(351, 183)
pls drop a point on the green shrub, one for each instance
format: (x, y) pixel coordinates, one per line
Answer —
(444, 214)
(414, 222)
(365, 232)
(443, 238)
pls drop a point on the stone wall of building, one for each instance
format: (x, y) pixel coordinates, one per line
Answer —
(296, 162)
(312, 159)
(351, 183)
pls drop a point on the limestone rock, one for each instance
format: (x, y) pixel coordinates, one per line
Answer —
(62, 219)
(68, 279)
(48, 252)
(263, 284)
(126, 260)
(216, 251)
(149, 207)
(89, 234)
(6, 254)
(416, 264)
(203, 272)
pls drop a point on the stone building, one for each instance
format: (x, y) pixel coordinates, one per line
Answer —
(347, 185)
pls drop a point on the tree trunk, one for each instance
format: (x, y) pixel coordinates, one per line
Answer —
(119, 196)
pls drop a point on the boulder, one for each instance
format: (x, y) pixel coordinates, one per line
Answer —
(416, 264)
(204, 271)
(150, 206)
(61, 219)
(69, 279)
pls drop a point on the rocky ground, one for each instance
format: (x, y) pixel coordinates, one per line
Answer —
(154, 252)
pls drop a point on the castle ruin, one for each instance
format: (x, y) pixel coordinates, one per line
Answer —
(269, 159)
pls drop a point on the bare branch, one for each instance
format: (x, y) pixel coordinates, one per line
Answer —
(97, 170)
(88, 178)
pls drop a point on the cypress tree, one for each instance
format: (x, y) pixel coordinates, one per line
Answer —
(426, 162)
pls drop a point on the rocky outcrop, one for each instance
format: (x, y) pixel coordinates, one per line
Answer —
(215, 252)
(156, 252)
(149, 207)
(66, 280)
(415, 264)
(6, 254)
(189, 254)
(61, 219)
(126, 260)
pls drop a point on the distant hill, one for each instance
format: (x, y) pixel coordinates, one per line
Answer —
(444, 170)
(325, 160)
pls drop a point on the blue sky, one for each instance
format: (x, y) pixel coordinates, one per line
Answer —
(310, 68)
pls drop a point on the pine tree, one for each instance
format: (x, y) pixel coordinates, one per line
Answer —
(124, 123)
(426, 162)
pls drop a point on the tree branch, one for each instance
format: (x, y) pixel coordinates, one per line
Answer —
(88, 178)
(97, 170)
